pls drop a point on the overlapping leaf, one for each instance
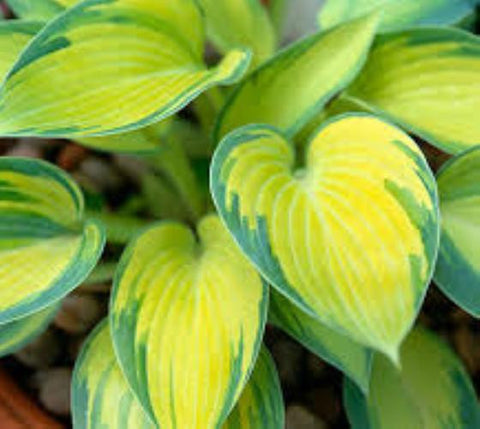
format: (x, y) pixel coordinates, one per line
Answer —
(39, 9)
(351, 358)
(397, 14)
(14, 335)
(187, 318)
(46, 248)
(431, 391)
(101, 398)
(240, 23)
(426, 80)
(14, 36)
(273, 94)
(108, 66)
(458, 266)
(351, 238)
(261, 403)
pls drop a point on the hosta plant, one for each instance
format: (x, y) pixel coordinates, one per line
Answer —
(289, 185)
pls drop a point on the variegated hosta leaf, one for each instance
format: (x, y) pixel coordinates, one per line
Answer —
(458, 266)
(240, 23)
(14, 36)
(14, 335)
(187, 318)
(432, 390)
(397, 14)
(39, 9)
(101, 398)
(426, 80)
(326, 63)
(111, 66)
(351, 238)
(337, 349)
(261, 404)
(46, 248)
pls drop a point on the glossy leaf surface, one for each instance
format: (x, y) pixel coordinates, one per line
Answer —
(326, 63)
(46, 247)
(427, 81)
(431, 391)
(458, 266)
(109, 66)
(351, 237)
(187, 319)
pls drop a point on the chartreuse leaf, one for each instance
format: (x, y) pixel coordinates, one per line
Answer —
(101, 398)
(432, 390)
(261, 403)
(458, 266)
(145, 140)
(397, 14)
(39, 9)
(426, 80)
(337, 349)
(273, 95)
(14, 335)
(107, 66)
(14, 36)
(187, 318)
(350, 238)
(46, 247)
(237, 23)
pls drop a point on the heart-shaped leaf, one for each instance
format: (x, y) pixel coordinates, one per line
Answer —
(14, 335)
(396, 14)
(39, 9)
(187, 318)
(46, 248)
(351, 238)
(426, 80)
(337, 349)
(431, 391)
(326, 63)
(237, 23)
(458, 266)
(101, 398)
(106, 67)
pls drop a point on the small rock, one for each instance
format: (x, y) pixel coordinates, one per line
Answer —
(78, 314)
(42, 352)
(298, 417)
(28, 148)
(55, 390)
(102, 174)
